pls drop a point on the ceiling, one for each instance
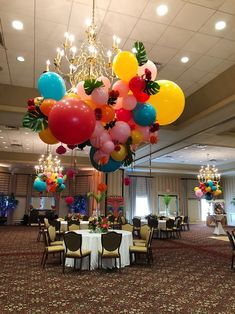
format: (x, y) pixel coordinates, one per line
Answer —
(187, 30)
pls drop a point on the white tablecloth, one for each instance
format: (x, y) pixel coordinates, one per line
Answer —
(92, 242)
(64, 225)
(219, 230)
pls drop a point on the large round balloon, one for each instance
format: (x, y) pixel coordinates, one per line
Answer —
(144, 114)
(47, 137)
(40, 185)
(125, 65)
(72, 121)
(111, 166)
(51, 85)
(169, 102)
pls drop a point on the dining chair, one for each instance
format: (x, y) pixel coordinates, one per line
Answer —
(177, 227)
(127, 227)
(153, 224)
(73, 249)
(136, 226)
(111, 220)
(232, 243)
(145, 249)
(143, 235)
(49, 249)
(57, 225)
(85, 218)
(46, 222)
(40, 229)
(73, 225)
(111, 242)
(51, 231)
(185, 223)
(168, 231)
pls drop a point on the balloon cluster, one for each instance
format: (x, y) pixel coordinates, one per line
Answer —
(209, 190)
(113, 120)
(49, 182)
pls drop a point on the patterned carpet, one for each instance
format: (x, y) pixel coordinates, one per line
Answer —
(191, 275)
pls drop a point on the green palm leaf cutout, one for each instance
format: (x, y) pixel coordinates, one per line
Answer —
(90, 85)
(35, 120)
(129, 157)
(151, 88)
(140, 53)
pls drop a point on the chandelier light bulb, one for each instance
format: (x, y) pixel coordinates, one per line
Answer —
(88, 22)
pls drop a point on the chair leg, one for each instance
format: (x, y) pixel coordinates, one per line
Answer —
(232, 261)
(130, 258)
(115, 262)
(89, 266)
(81, 263)
(64, 258)
(120, 263)
(45, 259)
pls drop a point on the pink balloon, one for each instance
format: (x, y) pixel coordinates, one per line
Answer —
(99, 96)
(104, 137)
(95, 141)
(145, 131)
(151, 67)
(105, 81)
(107, 147)
(98, 129)
(121, 87)
(120, 132)
(199, 193)
(101, 156)
(118, 104)
(81, 91)
(129, 102)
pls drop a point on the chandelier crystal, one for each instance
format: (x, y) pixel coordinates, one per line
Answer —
(90, 61)
(48, 164)
(207, 173)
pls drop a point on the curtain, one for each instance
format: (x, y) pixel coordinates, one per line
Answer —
(228, 186)
(130, 211)
(148, 182)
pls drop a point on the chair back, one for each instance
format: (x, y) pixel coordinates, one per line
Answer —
(144, 231)
(185, 219)
(149, 238)
(178, 222)
(56, 224)
(73, 241)
(111, 241)
(51, 233)
(85, 218)
(231, 240)
(46, 238)
(233, 233)
(127, 227)
(73, 225)
(170, 223)
(153, 222)
(162, 217)
(136, 222)
(46, 222)
(111, 218)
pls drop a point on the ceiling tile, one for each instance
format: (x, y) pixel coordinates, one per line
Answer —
(54, 10)
(192, 75)
(207, 78)
(232, 57)
(128, 44)
(174, 37)
(192, 17)
(230, 35)
(206, 63)
(200, 43)
(222, 49)
(184, 84)
(228, 6)
(24, 7)
(147, 31)
(102, 4)
(162, 54)
(107, 40)
(118, 24)
(193, 57)
(209, 26)
(174, 7)
(213, 4)
(46, 30)
(169, 72)
(224, 65)
(130, 7)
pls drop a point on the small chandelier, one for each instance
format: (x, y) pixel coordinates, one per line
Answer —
(90, 61)
(48, 164)
(207, 173)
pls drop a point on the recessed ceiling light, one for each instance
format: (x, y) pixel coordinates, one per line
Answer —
(4, 142)
(20, 58)
(27, 148)
(26, 133)
(220, 25)
(186, 147)
(6, 147)
(162, 10)
(1, 137)
(184, 59)
(17, 25)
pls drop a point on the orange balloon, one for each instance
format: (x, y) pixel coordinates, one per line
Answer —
(47, 137)
(108, 113)
(46, 106)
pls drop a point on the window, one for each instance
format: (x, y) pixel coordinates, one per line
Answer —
(142, 207)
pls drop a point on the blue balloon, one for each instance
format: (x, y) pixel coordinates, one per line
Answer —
(60, 180)
(214, 188)
(39, 185)
(208, 196)
(144, 114)
(51, 85)
(210, 183)
(111, 166)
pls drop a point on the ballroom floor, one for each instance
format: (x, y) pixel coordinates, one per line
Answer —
(191, 275)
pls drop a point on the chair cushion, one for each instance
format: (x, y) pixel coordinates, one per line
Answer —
(77, 253)
(57, 243)
(139, 241)
(139, 249)
(54, 249)
(109, 253)
(142, 244)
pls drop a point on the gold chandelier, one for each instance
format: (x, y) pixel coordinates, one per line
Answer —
(48, 164)
(208, 173)
(90, 61)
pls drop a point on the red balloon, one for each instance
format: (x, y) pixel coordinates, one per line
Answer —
(137, 84)
(123, 115)
(71, 121)
(141, 97)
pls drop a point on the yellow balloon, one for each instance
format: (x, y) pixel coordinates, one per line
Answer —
(119, 155)
(196, 188)
(208, 189)
(47, 137)
(71, 95)
(137, 137)
(125, 65)
(169, 102)
(90, 103)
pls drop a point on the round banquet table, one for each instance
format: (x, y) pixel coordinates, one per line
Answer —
(92, 242)
(64, 225)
